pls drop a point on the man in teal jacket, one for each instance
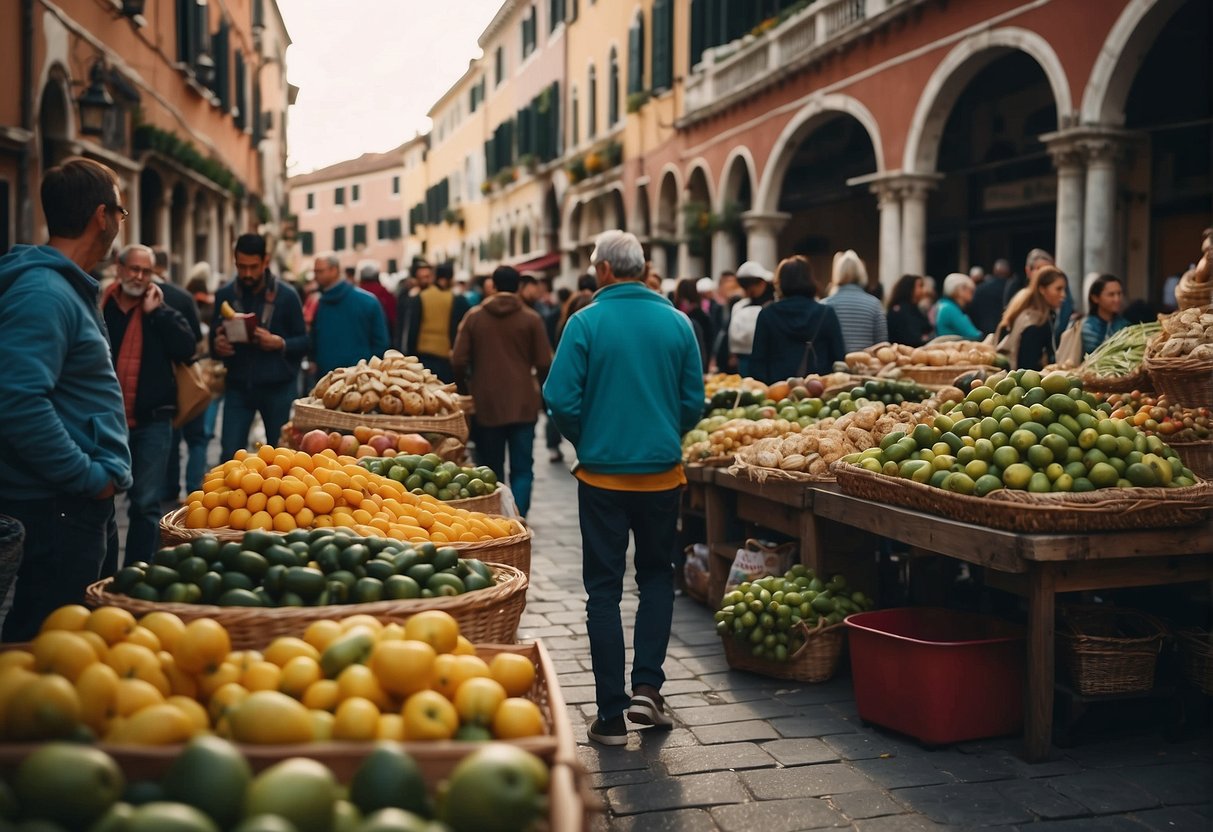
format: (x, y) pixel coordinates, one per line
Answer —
(63, 438)
(625, 385)
(349, 325)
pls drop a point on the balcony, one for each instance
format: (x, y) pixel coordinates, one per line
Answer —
(734, 71)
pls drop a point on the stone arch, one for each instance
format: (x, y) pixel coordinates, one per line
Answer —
(699, 178)
(1124, 50)
(738, 171)
(56, 123)
(668, 192)
(955, 72)
(641, 215)
(817, 109)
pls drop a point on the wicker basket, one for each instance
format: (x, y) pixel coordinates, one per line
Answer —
(943, 376)
(310, 413)
(513, 550)
(485, 504)
(1197, 456)
(486, 615)
(1018, 511)
(1196, 658)
(759, 474)
(1138, 380)
(1107, 650)
(816, 660)
(695, 576)
(1189, 293)
(12, 547)
(1184, 381)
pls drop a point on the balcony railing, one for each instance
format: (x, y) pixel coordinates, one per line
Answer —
(751, 62)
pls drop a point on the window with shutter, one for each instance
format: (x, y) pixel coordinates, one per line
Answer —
(241, 115)
(395, 185)
(339, 196)
(360, 234)
(186, 40)
(308, 241)
(555, 14)
(393, 229)
(663, 44)
(201, 34)
(499, 67)
(574, 116)
(339, 238)
(636, 55)
(381, 229)
(355, 193)
(311, 202)
(613, 90)
(222, 83)
(591, 104)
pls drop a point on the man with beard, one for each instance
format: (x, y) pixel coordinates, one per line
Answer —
(261, 372)
(60, 392)
(146, 337)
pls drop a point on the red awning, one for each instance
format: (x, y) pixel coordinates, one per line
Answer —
(539, 264)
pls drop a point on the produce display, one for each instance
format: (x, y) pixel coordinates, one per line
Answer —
(715, 382)
(764, 614)
(210, 787)
(888, 359)
(1121, 355)
(393, 385)
(363, 441)
(815, 448)
(1155, 415)
(1188, 333)
(301, 568)
(159, 681)
(428, 474)
(1021, 431)
(281, 490)
(731, 435)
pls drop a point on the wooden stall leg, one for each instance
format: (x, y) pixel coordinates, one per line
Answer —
(1038, 716)
(812, 550)
(715, 514)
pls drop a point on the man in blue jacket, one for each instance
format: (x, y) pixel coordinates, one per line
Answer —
(63, 438)
(262, 373)
(350, 324)
(625, 385)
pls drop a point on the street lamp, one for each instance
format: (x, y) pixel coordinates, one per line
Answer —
(94, 102)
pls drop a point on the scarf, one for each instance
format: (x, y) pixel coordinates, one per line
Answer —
(130, 354)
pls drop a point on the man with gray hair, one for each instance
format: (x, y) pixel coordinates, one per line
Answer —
(349, 324)
(147, 337)
(629, 345)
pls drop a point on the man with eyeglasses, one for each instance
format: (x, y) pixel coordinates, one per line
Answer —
(146, 337)
(63, 438)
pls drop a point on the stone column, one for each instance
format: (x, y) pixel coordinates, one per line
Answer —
(762, 236)
(187, 237)
(1068, 159)
(724, 252)
(164, 221)
(888, 199)
(134, 226)
(658, 257)
(914, 226)
(1099, 237)
(214, 238)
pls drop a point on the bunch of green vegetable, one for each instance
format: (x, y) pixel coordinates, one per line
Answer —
(1122, 354)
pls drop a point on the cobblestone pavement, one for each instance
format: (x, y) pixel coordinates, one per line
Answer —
(750, 753)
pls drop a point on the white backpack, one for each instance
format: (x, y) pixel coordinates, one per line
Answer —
(742, 321)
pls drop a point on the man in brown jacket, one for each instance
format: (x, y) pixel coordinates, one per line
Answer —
(502, 354)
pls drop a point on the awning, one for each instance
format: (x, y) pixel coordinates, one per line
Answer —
(539, 264)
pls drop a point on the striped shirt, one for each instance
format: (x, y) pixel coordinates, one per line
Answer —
(861, 316)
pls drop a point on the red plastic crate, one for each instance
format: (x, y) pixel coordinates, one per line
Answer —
(939, 675)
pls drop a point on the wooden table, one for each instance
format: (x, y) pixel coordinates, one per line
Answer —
(1038, 566)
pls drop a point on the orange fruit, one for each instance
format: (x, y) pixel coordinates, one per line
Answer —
(111, 623)
(224, 698)
(428, 715)
(322, 695)
(403, 667)
(293, 503)
(262, 675)
(250, 482)
(270, 485)
(478, 699)
(275, 505)
(197, 517)
(144, 637)
(240, 518)
(167, 627)
(436, 628)
(356, 719)
(256, 502)
(390, 727)
(69, 617)
(62, 652)
(319, 501)
(299, 674)
(516, 718)
(284, 522)
(261, 520)
(514, 671)
(358, 680)
(202, 646)
(237, 499)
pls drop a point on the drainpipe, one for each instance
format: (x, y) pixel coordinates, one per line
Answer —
(25, 226)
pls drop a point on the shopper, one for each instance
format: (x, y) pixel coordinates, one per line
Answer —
(369, 281)
(1028, 329)
(431, 317)
(262, 374)
(1103, 318)
(907, 323)
(951, 319)
(860, 314)
(61, 396)
(795, 335)
(689, 303)
(629, 470)
(986, 308)
(502, 354)
(756, 283)
(349, 324)
(147, 337)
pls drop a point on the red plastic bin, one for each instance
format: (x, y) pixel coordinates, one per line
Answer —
(938, 675)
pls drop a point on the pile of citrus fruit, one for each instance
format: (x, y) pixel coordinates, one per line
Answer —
(281, 490)
(157, 681)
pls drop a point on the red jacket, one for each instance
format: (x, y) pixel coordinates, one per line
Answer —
(385, 300)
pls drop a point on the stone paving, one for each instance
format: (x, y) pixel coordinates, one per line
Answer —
(751, 753)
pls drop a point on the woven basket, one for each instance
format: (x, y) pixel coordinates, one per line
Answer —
(1139, 380)
(489, 615)
(310, 413)
(1189, 293)
(513, 550)
(1109, 650)
(1184, 381)
(12, 547)
(485, 504)
(816, 660)
(1197, 456)
(1196, 658)
(1018, 511)
(942, 376)
(695, 578)
(759, 474)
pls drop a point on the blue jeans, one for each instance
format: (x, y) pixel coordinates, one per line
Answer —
(151, 445)
(606, 518)
(66, 540)
(239, 407)
(491, 445)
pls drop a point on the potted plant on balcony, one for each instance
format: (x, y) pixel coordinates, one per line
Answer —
(486, 187)
(594, 163)
(576, 170)
(613, 153)
(637, 100)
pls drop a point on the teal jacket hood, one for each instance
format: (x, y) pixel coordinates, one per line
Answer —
(58, 383)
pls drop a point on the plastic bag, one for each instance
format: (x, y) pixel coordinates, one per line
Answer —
(758, 558)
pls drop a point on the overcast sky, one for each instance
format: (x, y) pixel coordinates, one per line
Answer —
(369, 70)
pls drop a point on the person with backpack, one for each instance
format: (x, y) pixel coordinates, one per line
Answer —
(796, 335)
(755, 281)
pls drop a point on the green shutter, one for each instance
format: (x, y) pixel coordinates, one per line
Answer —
(636, 57)
(663, 45)
(309, 242)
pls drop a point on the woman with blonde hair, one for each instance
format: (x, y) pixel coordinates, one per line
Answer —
(861, 315)
(1027, 328)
